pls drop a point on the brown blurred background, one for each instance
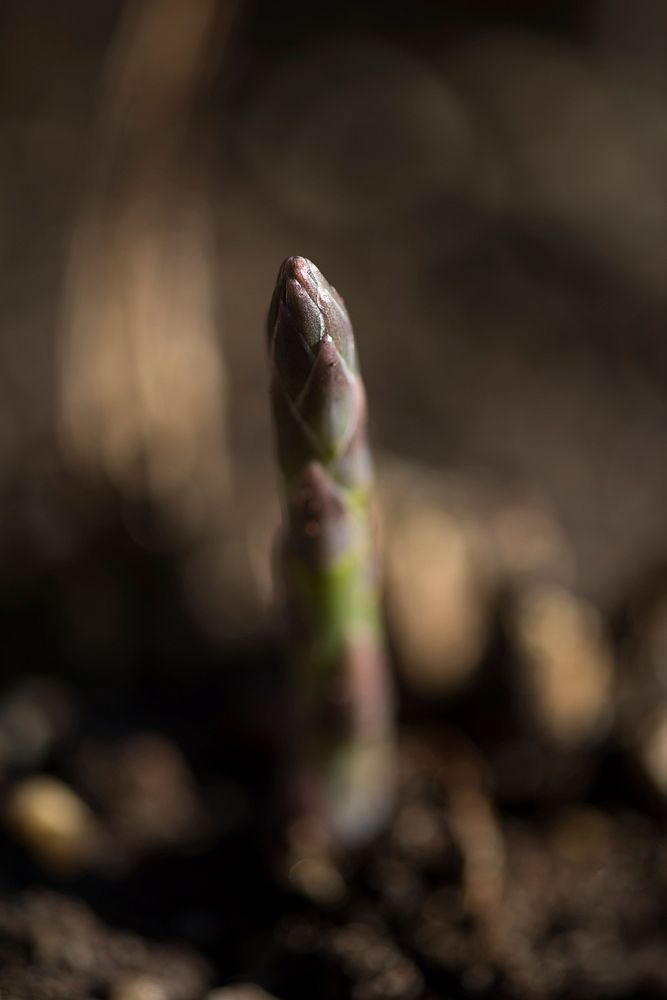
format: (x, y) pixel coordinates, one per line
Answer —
(483, 182)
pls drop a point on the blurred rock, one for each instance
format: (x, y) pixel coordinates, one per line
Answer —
(139, 988)
(566, 665)
(652, 748)
(527, 540)
(317, 878)
(52, 821)
(439, 582)
(36, 715)
(145, 789)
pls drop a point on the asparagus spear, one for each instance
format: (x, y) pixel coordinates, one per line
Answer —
(343, 742)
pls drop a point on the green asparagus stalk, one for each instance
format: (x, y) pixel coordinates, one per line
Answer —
(343, 738)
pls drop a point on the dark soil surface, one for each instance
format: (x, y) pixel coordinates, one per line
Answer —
(462, 896)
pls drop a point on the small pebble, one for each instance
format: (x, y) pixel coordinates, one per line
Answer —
(139, 988)
(52, 821)
(318, 879)
(148, 791)
(438, 581)
(35, 715)
(567, 664)
(653, 748)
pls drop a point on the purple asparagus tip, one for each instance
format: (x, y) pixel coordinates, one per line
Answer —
(305, 304)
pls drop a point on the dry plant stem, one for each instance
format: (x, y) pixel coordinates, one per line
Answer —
(344, 768)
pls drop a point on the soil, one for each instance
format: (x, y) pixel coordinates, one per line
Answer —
(463, 896)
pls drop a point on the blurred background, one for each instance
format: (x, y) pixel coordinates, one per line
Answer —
(484, 183)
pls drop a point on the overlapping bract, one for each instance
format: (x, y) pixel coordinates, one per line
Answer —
(318, 396)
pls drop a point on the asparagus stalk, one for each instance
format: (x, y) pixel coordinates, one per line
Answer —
(343, 741)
